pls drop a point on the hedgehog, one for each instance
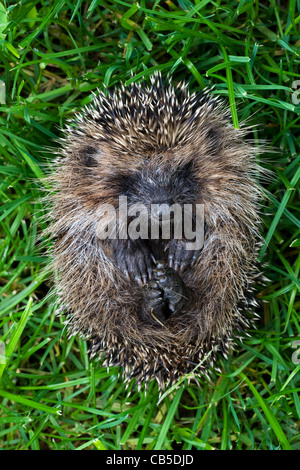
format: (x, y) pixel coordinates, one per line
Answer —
(151, 306)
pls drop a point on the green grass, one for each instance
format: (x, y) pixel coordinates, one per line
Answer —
(53, 54)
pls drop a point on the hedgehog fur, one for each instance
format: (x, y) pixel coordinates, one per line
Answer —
(153, 308)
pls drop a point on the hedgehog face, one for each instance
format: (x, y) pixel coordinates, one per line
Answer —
(158, 184)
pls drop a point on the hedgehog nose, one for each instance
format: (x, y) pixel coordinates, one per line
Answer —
(161, 210)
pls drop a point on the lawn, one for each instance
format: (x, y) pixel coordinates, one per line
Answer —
(53, 56)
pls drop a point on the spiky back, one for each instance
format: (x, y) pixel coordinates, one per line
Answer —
(157, 116)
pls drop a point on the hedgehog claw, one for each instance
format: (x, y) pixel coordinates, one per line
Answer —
(166, 294)
(171, 261)
(138, 279)
(179, 257)
(154, 293)
(155, 305)
(134, 260)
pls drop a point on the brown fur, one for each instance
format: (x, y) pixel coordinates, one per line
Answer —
(101, 302)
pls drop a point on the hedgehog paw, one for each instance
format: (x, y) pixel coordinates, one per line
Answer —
(174, 291)
(154, 302)
(135, 261)
(165, 296)
(179, 258)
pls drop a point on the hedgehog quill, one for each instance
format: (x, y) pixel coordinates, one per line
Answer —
(153, 307)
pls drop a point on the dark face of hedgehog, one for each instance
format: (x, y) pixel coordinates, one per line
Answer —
(158, 187)
(159, 198)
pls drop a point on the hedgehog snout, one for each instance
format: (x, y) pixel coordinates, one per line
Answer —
(160, 210)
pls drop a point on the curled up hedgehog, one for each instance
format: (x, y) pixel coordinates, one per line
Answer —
(156, 306)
